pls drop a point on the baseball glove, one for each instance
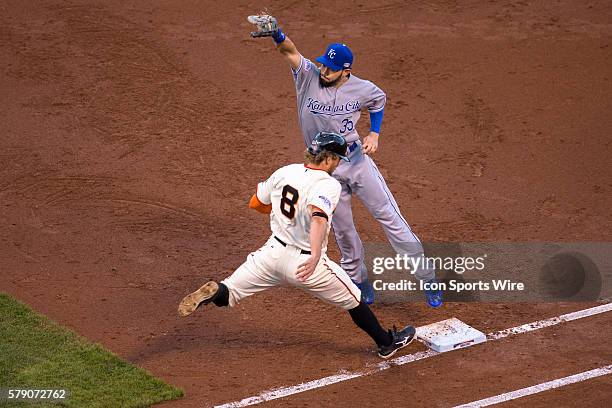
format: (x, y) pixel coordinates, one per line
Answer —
(267, 25)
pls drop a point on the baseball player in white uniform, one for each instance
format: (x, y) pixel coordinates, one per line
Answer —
(330, 98)
(301, 199)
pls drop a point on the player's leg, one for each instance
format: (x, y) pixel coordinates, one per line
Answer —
(351, 248)
(331, 284)
(388, 342)
(347, 238)
(256, 274)
(379, 201)
(372, 190)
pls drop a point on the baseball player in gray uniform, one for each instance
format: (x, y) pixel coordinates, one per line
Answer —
(331, 98)
(301, 199)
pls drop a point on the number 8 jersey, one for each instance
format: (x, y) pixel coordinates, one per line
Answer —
(290, 190)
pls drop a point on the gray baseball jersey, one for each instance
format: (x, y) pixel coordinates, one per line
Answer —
(338, 110)
(332, 109)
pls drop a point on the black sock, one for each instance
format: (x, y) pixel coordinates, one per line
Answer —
(221, 298)
(367, 321)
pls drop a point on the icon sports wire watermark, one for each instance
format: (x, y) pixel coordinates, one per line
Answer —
(493, 272)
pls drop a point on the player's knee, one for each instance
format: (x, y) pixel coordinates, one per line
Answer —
(346, 233)
(383, 213)
(350, 304)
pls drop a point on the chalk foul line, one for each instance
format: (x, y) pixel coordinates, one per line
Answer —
(523, 392)
(409, 358)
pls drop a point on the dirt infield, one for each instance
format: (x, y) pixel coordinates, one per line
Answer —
(133, 134)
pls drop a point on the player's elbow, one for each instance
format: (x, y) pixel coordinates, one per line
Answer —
(319, 222)
(258, 206)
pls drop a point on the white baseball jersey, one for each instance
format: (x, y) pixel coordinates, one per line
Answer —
(332, 109)
(290, 190)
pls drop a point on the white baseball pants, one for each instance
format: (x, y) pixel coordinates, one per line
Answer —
(274, 264)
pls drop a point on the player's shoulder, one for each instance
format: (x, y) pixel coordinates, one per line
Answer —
(325, 180)
(335, 184)
(363, 83)
(306, 66)
(326, 193)
(360, 81)
(288, 169)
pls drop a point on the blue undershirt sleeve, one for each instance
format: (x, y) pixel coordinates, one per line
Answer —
(376, 120)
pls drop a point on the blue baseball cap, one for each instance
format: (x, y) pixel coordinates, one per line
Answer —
(337, 57)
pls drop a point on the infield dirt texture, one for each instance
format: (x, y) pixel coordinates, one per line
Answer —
(132, 135)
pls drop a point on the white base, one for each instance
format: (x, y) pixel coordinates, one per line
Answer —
(448, 335)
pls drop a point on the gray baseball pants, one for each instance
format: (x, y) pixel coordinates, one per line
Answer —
(361, 177)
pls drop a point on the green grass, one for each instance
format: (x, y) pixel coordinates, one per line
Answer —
(37, 353)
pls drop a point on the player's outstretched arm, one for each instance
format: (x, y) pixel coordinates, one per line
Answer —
(290, 52)
(318, 229)
(267, 26)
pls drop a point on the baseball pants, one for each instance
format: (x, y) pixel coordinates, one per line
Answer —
(362, 178)
(274, 264)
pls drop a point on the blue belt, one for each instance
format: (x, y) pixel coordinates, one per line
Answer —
(352, 147)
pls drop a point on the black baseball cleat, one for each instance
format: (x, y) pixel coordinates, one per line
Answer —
(192, 301)
(401, 339)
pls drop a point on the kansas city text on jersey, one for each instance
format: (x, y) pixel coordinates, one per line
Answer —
(318, 108)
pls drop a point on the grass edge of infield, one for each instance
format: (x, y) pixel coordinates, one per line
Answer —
(36, 353)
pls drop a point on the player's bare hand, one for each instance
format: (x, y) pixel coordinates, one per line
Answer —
(370, 143)
(306, 269)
